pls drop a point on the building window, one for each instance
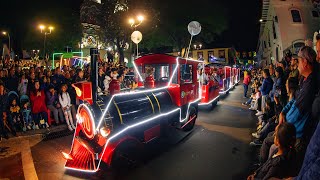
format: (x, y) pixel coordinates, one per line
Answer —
(200, 55)
(296, 16)
(222, 54)
(315, 13)
(277, 54)
(274, 31)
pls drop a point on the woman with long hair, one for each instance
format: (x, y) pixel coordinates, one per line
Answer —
(39, 108)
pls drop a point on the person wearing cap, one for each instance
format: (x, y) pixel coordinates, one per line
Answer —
(299, 113)
(53, 104)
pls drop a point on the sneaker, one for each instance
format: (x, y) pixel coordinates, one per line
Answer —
(252, 109)
(259, 113)
(29, 127)
(47, 125)
(70, 128)
(255, 135)
(244, 104)
(244, 97)
(256, 143)
(37, 127)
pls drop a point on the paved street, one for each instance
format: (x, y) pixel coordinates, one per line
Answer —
(218, 148)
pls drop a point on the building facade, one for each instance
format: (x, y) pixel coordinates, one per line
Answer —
(285, 26)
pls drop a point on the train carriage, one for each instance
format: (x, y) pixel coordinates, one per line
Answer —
(210, 87)
(108, 125)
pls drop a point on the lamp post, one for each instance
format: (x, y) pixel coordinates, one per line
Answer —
(134, 23)
(43, 29)
(7, 34)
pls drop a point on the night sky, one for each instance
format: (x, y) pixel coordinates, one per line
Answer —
(17, 15)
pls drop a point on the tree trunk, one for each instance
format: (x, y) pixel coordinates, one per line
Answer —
(121, 53)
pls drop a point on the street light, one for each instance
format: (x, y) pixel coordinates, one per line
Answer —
(265, 20)
(6, 33)
(43, 30)
(196, 46)
(133, 23)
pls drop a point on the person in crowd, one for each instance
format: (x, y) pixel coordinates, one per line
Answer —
(14, 114)
(44, 83)
(31, 82)
(57, 78)
(80, 76)
(65, 102)
(53, 104)
(265, 89)
(246, 82)
(272, 72)
(300, 110)
(26, 115)
(278, 89)
(107, 81)
(39, 108)
(101, 78)
(294, 67)
(23, 85)
(310, 169)
(292, 86)
(12, 81)
(3, 114)
(278, 165)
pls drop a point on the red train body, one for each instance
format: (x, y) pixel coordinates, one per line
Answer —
(107, 124)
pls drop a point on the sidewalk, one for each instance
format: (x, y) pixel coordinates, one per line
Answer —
(12, 146)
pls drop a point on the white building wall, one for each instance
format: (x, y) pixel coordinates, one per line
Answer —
(288, 32)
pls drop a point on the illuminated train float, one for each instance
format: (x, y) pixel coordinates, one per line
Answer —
(227, 76)
(107, 125)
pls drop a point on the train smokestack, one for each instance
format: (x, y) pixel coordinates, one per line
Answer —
(94, 53)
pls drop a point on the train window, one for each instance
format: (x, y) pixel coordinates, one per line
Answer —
(175, 77)
(186, 73)
(160, 72)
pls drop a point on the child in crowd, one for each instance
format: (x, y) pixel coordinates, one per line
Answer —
(279, 163)
(65, 102)
(26, 114)
(15, 114)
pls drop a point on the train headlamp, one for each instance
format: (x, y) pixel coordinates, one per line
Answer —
(105, 132)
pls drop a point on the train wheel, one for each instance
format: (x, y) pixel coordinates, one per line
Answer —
(127, 156)
(191, 119)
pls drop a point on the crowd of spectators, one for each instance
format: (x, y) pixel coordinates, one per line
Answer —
(31, 94)
(286, 100)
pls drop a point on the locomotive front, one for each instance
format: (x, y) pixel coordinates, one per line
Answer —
(105, 123)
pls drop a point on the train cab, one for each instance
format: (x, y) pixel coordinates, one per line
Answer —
(109, 126)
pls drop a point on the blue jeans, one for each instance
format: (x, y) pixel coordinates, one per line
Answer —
(245, 90)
